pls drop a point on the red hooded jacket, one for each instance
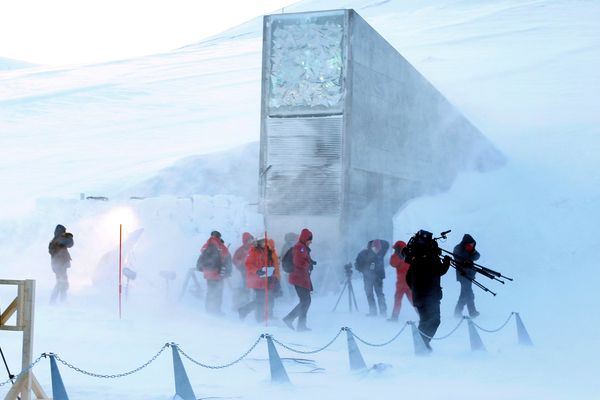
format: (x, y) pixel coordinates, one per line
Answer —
(240, 255)
(398, 262)
(257, 258)
(300, 276)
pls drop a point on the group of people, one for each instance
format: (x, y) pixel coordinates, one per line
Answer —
(419, 267)
(260, 268)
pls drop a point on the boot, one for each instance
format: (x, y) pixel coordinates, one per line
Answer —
(288, 321)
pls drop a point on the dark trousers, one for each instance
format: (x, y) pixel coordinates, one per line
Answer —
(258, 305)
(429, 319)
(375, 284)
(301, 309)
(214, 296)
(467, 297)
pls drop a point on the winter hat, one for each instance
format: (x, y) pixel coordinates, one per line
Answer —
(216, 234)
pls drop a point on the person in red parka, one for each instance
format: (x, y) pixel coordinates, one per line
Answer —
(402, 288)
(262, 268)
(215, 263)
(240, 255)
(300, 278)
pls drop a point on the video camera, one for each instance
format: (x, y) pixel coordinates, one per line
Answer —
(421, 245)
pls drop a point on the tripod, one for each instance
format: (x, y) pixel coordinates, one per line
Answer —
(348, 284)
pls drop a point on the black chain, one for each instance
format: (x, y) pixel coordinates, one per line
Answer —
(495, 330)
(110, 376)
(237, 360)
(29, 367)
(378, 344)
(285, 346)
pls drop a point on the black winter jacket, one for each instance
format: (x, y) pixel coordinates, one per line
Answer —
(463, 258)
(423, 277)
(371, 264)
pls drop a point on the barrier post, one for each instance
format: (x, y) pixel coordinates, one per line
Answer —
(357, 361)
(278, 373)
(522, 333)
(474, 338)
(58, 387)
(183, 388)
(418, 342)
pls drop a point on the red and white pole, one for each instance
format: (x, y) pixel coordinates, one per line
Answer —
(267, 283)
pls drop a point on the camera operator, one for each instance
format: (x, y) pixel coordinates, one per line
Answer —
(60, 260)
(464, 255)
(423, 277)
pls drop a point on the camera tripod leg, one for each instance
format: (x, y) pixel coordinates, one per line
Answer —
(340, 297)
(351, 291)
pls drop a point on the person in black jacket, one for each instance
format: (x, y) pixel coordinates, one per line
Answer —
(423, 277)
(370, 262)
(60, 260)
(464, 255)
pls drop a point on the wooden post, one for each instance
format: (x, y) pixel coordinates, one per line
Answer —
(24, 306)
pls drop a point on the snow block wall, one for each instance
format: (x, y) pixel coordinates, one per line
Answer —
(350, 131)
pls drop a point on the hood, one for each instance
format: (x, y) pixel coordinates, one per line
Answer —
(399, 245)
(468, 239)
(383, 245)
(247, 238)
(305, 235)
(59, 230)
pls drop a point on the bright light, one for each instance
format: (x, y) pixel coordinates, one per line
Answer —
(119, 216)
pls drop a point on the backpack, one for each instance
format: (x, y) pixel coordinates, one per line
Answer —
(210, 259)
(287, 262)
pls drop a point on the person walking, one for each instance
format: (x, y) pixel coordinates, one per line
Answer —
(241, 294)
(423, 278)
(262, 271)
(300, 278)
(60, 260)
(402, 288)
(370, 263)
(215, 263)
(464, 255)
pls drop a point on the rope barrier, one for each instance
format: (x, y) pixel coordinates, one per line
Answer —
(237, 360)
(309, 351)
(377, 344)
(29, 367)
(110, 376)
(495, 330)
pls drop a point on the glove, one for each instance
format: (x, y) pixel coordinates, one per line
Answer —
(446, 261)
(261, 272)
(313, 262)
(467, 263)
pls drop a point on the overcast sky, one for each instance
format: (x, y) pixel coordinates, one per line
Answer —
(57, 32)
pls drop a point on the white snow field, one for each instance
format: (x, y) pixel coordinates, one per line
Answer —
(526, 73)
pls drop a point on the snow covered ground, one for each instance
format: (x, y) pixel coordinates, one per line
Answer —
(524, 72)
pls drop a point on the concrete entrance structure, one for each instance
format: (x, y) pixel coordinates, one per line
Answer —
(350, 131)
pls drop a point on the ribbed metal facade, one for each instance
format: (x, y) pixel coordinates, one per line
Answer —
(304, 157)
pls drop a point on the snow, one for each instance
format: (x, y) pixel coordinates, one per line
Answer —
(524, 72)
